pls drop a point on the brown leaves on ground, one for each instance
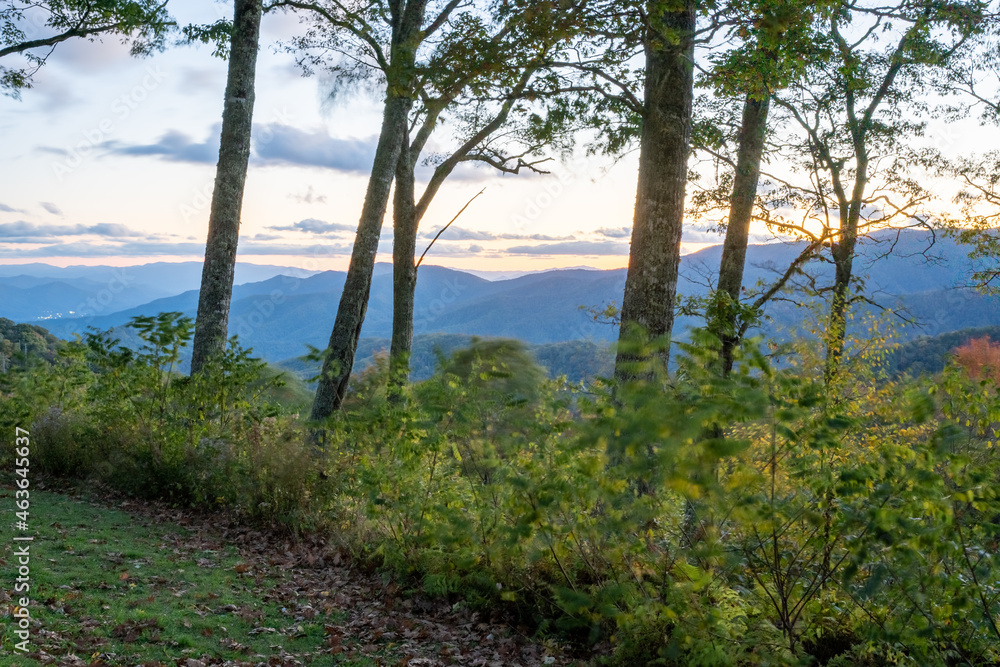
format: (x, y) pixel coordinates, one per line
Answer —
(131, 631)
(317, 583)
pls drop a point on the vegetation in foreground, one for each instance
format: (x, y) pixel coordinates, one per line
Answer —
(108, 589)
(157, 586)
(766, 518)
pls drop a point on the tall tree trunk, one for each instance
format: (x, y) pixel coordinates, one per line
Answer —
(212, 322)
(354, 300)
(407, 214)
(723, 320)
(654, 258)
(843, 257)
(836, 328)
(404, 272)
(407, 17)
(734, 249)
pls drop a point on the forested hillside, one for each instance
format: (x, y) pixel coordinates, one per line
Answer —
(24, 341)
(927, 282)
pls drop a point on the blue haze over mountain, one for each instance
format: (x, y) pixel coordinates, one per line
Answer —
(279, 314)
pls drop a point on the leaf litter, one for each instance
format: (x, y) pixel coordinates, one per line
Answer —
(365, 619)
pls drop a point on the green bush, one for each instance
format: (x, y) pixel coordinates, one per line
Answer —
(127, 417)
(764, 518)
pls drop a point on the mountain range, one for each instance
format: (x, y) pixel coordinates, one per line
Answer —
(44, 292)
(279, 311)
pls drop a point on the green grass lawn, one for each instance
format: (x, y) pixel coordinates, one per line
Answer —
(115, 589)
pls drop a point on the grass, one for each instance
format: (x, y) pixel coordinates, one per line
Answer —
(116, 589)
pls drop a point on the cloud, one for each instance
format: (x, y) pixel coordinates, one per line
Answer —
(462, 234)
(315, 250)
(700, 236)
(10, 209)
(174, 146)
(52, 149)
(443, 249)
(273, 143)
(459, 234)
(153, 249)
(615, 232)
(90, 55)
(469, 172)
(277, 144)
(201, 79)
(110, 229)
(51, 208)
(29, 232)
(309, 197)
(533, 237)
(281, 27)
(55, 93)
(314, 226)
(82, 249)
(572, 248)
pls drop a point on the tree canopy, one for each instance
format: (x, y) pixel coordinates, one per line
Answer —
(32, 30)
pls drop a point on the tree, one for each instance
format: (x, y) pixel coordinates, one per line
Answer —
(144, 23)
(975, 72)
(219, 269)
(382, 36)
(979, 202)
(846, 130)
(654, 258)
(391, 41)
(974, 82)
(503, 70)
(980, 357)
(778, 40)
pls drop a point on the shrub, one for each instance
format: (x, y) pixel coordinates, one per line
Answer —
(765, 518)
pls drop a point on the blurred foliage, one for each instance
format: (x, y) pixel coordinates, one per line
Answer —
(128, 418)
(850, 524)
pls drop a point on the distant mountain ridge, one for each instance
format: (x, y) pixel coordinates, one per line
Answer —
(44, 292)
(280, 315)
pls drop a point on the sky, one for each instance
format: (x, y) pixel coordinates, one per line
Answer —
(110, 159)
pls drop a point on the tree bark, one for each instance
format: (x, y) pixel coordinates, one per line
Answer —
(354, 300)
(836, 328)
(844, 248)
(407, 215)
(407, 17)
(212, 322)
(734, 249)
(654, 258)
(843, 254)
(404, 271)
